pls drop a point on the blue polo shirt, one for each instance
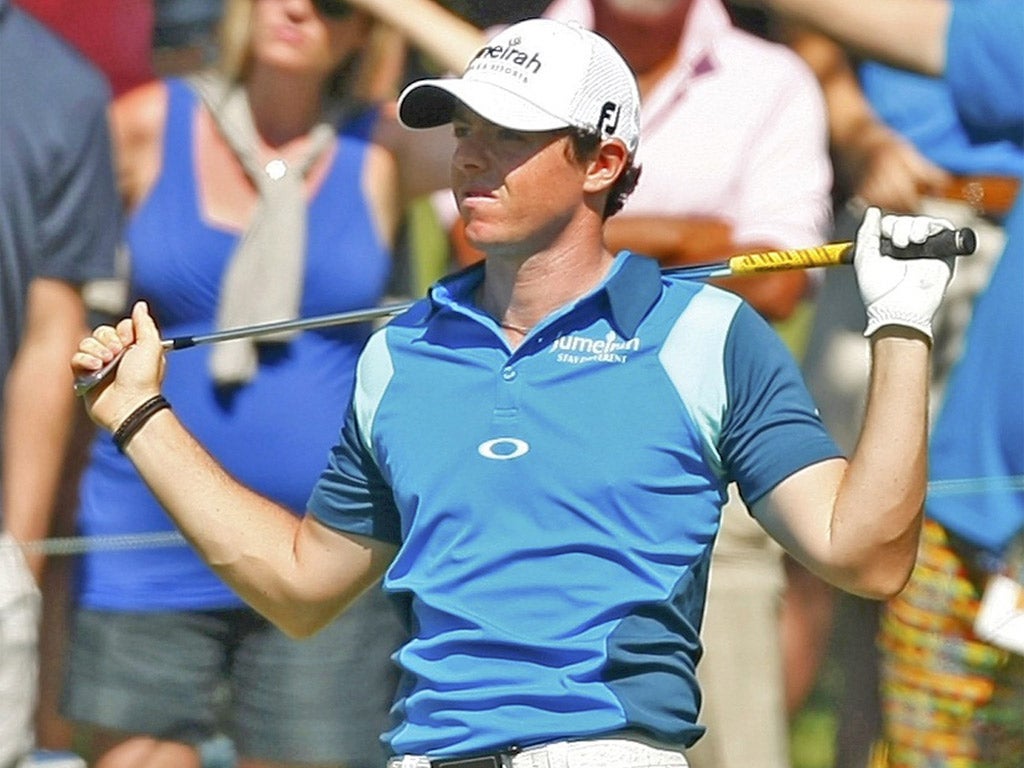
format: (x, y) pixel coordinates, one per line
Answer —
(555, 506)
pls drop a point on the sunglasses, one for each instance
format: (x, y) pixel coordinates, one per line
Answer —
(334, 9)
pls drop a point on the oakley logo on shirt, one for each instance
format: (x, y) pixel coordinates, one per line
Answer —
(503, 448)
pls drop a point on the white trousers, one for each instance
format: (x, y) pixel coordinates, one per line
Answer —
(591, 753)
(20, 607)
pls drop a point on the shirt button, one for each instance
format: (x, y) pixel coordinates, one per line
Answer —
(508, 374)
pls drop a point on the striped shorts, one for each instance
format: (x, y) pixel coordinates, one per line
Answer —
(949, 699)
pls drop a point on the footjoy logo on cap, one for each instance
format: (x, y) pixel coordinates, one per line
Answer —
(609, 119)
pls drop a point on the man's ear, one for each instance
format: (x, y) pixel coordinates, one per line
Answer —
(611, 161)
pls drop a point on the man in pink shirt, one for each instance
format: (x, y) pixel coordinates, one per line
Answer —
(735, 154)
(735, 159)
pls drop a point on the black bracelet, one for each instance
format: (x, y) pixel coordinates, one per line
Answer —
(137, 418)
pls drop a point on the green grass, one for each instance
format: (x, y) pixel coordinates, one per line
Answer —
(813, 731)
(812, 739)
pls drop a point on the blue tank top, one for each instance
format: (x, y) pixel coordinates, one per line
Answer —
(273, 434)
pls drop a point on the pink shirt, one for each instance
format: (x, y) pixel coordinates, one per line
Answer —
(737, 131)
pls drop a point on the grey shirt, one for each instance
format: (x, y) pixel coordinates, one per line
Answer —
(59, 206)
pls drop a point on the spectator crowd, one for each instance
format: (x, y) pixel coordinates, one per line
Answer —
(231, 162)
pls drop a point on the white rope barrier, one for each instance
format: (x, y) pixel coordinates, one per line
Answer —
(976, 485)
(77, 545)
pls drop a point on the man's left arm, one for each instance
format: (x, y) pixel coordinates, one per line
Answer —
(39, 410)
(856, 523)
(79, 227)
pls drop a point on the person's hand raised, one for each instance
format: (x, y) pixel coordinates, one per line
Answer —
(139, 372)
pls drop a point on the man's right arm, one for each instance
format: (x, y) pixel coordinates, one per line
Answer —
(297, 572)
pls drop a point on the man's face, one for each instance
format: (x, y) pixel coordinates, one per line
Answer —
(516, 190)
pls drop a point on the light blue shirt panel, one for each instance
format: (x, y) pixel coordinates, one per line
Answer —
(693, 356)
(372, 376)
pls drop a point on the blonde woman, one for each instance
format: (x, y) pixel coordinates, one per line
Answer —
(269, 188)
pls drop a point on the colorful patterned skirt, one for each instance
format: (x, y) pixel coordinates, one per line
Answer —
(950, 699)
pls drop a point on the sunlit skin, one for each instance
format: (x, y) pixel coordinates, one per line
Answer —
(516, 191)
(536, 211)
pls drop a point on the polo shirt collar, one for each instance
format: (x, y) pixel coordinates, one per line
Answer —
(631, 288)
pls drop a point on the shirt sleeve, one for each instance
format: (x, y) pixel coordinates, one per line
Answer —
(772, 428)
(81, 212)
(351, 494)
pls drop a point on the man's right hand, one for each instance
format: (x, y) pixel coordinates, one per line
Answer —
(137, 377)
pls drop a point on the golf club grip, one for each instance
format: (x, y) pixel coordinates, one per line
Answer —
(84, 383)
(944, 244)
(941, 245)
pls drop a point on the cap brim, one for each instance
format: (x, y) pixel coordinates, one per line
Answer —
(429, 103)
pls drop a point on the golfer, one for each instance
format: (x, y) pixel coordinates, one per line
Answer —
(536, 454)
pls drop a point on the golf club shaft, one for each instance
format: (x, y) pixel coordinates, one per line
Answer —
(302, 324)
(84, 383)
(946, 243)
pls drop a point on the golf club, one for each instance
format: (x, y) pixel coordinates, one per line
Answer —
(950, 242)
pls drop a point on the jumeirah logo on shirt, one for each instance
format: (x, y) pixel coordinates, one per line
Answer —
(576, 349)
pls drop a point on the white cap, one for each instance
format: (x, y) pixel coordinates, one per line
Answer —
(537, 75)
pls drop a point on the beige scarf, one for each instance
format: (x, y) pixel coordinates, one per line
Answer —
(263, 280)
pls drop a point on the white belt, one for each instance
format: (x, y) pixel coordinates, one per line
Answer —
(590, 753)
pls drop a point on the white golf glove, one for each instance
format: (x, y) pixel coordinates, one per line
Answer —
(899, 291)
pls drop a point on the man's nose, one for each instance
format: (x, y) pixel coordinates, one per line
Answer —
(469, 152)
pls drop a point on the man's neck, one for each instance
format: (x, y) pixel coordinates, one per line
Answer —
(519, 294)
